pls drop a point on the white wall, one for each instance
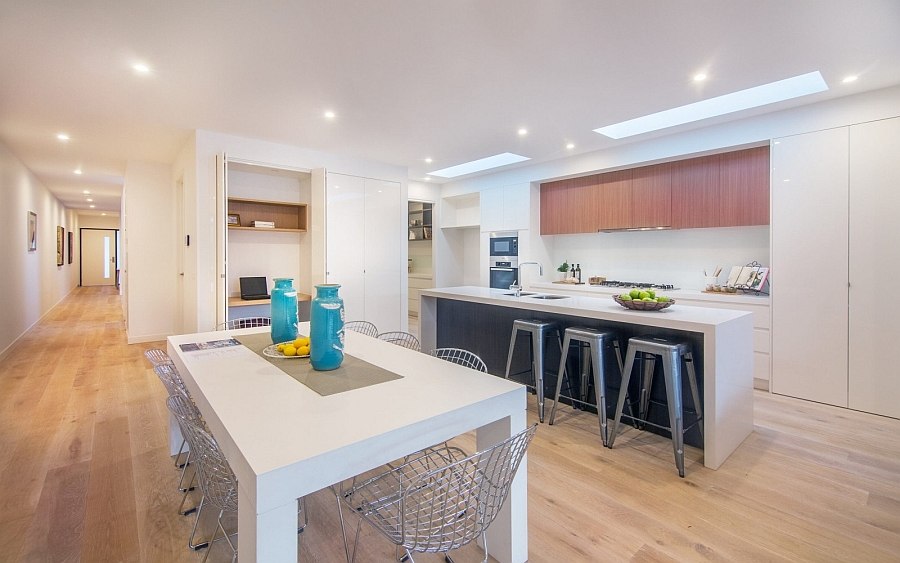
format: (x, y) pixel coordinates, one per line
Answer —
(32, 283)
(148, 242)
(648, 256)
(98, 221)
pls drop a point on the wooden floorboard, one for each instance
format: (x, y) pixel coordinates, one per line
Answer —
(85, 473)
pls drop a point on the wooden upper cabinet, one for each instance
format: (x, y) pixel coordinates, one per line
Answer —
(556, 204)
(613, 201)
(651, 196)
(745, 187)
(585, 204)
(696, 190)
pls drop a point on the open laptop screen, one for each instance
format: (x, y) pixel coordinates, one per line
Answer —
(254, 287)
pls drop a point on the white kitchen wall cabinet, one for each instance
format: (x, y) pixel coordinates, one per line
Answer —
(874, 311)
(810, 266)
(506, 209)
(365, 232)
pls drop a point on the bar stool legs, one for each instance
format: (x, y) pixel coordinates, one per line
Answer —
(672, 355)
(538, 331)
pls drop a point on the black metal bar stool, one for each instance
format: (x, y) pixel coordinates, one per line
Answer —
(539, 331)
(672, 354)
(593, 344)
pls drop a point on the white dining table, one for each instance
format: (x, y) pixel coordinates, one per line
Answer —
(283, 440)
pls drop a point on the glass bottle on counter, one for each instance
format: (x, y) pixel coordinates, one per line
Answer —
(578, 272)
(572, 272)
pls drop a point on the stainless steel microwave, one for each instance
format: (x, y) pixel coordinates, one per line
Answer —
(504, 246)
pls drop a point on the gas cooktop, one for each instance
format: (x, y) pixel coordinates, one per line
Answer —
(641, 285)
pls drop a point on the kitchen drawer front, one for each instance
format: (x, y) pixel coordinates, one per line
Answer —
(762, 341)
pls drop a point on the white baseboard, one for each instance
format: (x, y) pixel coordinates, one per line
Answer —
(147, 338)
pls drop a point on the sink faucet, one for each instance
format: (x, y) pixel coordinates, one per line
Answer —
(540, 272)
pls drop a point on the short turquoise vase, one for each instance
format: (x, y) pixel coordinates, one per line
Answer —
(326, 328)
(284, 311)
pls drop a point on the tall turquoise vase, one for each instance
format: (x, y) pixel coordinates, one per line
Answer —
(284, 311)
(326, 327)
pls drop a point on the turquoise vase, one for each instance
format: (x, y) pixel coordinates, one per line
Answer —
(326, 328)
(284, 311)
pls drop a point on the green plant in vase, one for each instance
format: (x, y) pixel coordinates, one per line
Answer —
(564, 270)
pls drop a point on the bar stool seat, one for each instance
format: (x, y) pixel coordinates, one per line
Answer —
(672, 354)
(596, 342)
(539, 331)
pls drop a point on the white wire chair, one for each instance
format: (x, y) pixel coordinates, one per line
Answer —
(157, 357)
(246, 322)
(441, 500)
(401, 338)
(363, 327)
(461, 357)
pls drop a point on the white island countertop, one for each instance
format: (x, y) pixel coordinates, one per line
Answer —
(691, 294)
(727, 349)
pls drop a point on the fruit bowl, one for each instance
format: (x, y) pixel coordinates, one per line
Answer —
(638, 305)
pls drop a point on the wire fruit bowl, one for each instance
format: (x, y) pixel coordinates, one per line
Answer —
(638, 305)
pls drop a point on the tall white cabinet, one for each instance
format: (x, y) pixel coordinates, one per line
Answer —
(365, 233)
(834, 209)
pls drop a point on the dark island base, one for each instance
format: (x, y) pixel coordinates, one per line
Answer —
(486, 329)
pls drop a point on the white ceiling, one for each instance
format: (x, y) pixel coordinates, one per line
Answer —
(451, 80)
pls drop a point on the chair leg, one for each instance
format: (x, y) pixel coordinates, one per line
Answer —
(191, 544)
(184, 497)
(695, 392)
(512, 347)
(537, 368)
(559, 377)
(178, 464)
(623, 393)
(672, 376)
(212, 540)
(597, 359)
(184, 468)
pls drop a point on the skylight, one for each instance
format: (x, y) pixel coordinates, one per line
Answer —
(757, 96)
(478, 165)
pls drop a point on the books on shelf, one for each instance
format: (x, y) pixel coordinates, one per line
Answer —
(747, 277)
(263, 224)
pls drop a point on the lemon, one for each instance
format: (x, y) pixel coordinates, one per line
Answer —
(303, 351)
(280, 347)
(301, 341)
(289, 350)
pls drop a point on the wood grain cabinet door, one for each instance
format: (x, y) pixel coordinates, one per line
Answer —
(614, 200)
(696, 193)
(556, 204)
(745, 187)
(651, 196)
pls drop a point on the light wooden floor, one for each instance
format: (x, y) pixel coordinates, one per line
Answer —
(85, 476)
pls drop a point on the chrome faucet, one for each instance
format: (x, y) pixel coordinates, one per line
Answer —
(518, 288)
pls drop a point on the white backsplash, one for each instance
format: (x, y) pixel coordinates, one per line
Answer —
(677, 257)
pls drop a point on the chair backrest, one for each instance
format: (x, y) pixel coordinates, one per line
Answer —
(363, 327)
(217, 481)
(157, 357)
(170, 377)
(401, 338)
(449, 506)
(461, 357)
(245, 322)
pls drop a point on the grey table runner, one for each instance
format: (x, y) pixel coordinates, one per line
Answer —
(353, 373)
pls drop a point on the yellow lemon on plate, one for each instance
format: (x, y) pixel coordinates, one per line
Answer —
(301, 341)
(303, 351)
(280, 347)
(289, 350)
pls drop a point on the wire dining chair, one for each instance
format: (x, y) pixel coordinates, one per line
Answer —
(246, 322)
(442, 500)
(157, 357)
(363, 327)
(461, 357)
(401, 338)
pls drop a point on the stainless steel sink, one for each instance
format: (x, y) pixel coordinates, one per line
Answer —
(524, 293)
(549, 296)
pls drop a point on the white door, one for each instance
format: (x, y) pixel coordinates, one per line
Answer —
(874, 311)
(810, 266)
(385, 235)
(98, 257)
(345, 245)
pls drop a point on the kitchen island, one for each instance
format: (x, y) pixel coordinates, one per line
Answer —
(480, 319)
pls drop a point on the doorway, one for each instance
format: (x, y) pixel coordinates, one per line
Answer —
(99, 257)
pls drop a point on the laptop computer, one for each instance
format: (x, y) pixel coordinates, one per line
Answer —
(254, 288)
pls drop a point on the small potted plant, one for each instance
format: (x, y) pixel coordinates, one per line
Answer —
(564, 269)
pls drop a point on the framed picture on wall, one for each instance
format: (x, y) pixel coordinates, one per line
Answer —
(32, 231)
(71, 245)
(60, 243)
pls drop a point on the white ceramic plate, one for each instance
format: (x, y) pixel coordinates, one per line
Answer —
(272, 352)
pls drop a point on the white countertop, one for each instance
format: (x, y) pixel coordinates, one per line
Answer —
(697, 319)
(692, 294)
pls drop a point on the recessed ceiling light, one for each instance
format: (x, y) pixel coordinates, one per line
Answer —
(757, 96)
(93, 206)
(104, 214)
(478, 165)
(427, 178)
(570, 146)
(89, 200)
(86, 191)
(428, 160)
(62, 137)
(700, 77)
(329, 115)
(849, 79)
(523, 131)
(141, 68)
(77, 171)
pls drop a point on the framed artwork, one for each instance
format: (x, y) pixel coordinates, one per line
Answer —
(71, 245)
(234, 220)
(32, 231)
(60, 243)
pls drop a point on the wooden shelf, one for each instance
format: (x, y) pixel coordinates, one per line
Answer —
(238, 302)
(287, 216)
(268, 229)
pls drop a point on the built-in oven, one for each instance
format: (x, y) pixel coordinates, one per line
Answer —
(504, 272)
(504, 246)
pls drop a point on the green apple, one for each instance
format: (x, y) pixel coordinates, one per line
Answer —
(635, 293)
(648, 299)
(644, 295)
(625, 297)
(663, 299)
(652, 293)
